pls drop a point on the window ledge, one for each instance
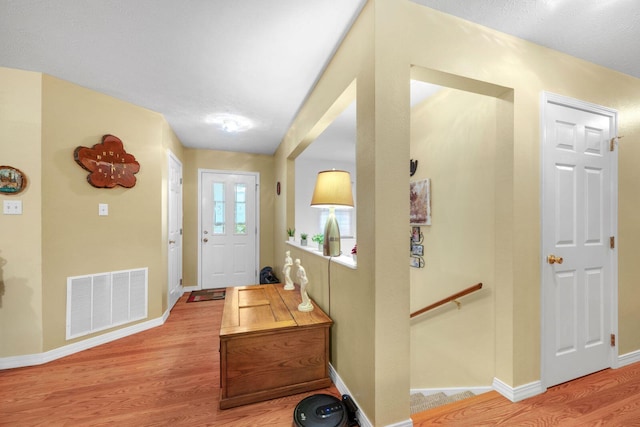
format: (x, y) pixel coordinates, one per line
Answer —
(345, 260)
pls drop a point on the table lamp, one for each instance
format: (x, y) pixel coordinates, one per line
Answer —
(333, 190)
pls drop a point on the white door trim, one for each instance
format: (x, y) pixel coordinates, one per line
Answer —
(257, 202)
(552, 98)
(172, 158)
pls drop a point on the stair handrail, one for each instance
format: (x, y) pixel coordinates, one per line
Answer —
(453, 297)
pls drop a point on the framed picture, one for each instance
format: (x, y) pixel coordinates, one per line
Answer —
(416, 236)
(416, 262)
(417, 250)
(12, 180)
(420, 202)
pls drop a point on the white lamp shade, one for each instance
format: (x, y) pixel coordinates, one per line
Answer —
(333, 189)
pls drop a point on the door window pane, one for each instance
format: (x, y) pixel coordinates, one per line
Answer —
(218, 208)
(241, 209)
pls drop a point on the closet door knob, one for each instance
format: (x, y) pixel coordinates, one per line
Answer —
(552, 259)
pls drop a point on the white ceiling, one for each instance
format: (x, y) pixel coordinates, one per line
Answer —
(192, 59)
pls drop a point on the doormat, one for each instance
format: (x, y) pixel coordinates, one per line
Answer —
(206, 295)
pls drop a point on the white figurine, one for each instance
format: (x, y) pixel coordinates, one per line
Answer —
(286, 270)
(305, 305)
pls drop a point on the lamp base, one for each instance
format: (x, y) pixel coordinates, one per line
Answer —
(331, 246)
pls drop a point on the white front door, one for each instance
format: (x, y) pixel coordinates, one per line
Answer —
(579, 211)
(174, 230)
(228, 229)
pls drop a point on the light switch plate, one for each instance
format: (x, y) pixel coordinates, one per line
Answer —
(12, 207)
(103, 209)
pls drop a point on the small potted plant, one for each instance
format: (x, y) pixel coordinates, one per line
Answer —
(291, 232)
(319, 239)
(354, 253)
(303, 239)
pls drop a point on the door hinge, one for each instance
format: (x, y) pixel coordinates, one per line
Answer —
(181, 281)
(612, 242)
(181, 231)
(613, 340)
(612, 143)
(180, 181)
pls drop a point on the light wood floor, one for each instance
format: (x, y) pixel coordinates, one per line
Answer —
(607, 398)
(168, 375)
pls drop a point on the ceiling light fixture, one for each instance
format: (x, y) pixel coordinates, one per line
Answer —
(230, 123)
(230, 126)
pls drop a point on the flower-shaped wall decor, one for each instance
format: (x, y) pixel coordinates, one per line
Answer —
(108, 163)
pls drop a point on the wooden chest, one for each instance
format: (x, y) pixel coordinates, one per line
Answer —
(268, 348)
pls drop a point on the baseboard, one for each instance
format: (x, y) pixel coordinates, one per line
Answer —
(362, 418)
(406, 423)
(516, 394)
(628, 358)
(67, 350)
(532, 389)
(190, 288)
(342, 388)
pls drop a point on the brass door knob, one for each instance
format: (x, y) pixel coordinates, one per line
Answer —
(205, 240)
(552, 259)
(171, 241)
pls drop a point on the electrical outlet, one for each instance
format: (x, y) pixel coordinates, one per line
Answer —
(103, 209)
(12, 207)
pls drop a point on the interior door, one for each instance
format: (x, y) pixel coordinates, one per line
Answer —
(578, 220)
(229, 229)
(174, 230)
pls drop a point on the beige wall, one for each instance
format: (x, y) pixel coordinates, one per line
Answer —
(453, 137)
(371, 341)
(468, 50)
(60, 233)
(404, 35)
(358, 326)
(225, 161)
(75, 240)
(20, 244)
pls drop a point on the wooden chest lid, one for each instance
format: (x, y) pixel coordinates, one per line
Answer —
(257, 308)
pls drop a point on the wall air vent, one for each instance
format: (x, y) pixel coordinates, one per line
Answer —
(100, 301)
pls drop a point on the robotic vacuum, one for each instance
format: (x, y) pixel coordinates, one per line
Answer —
(320, 410)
